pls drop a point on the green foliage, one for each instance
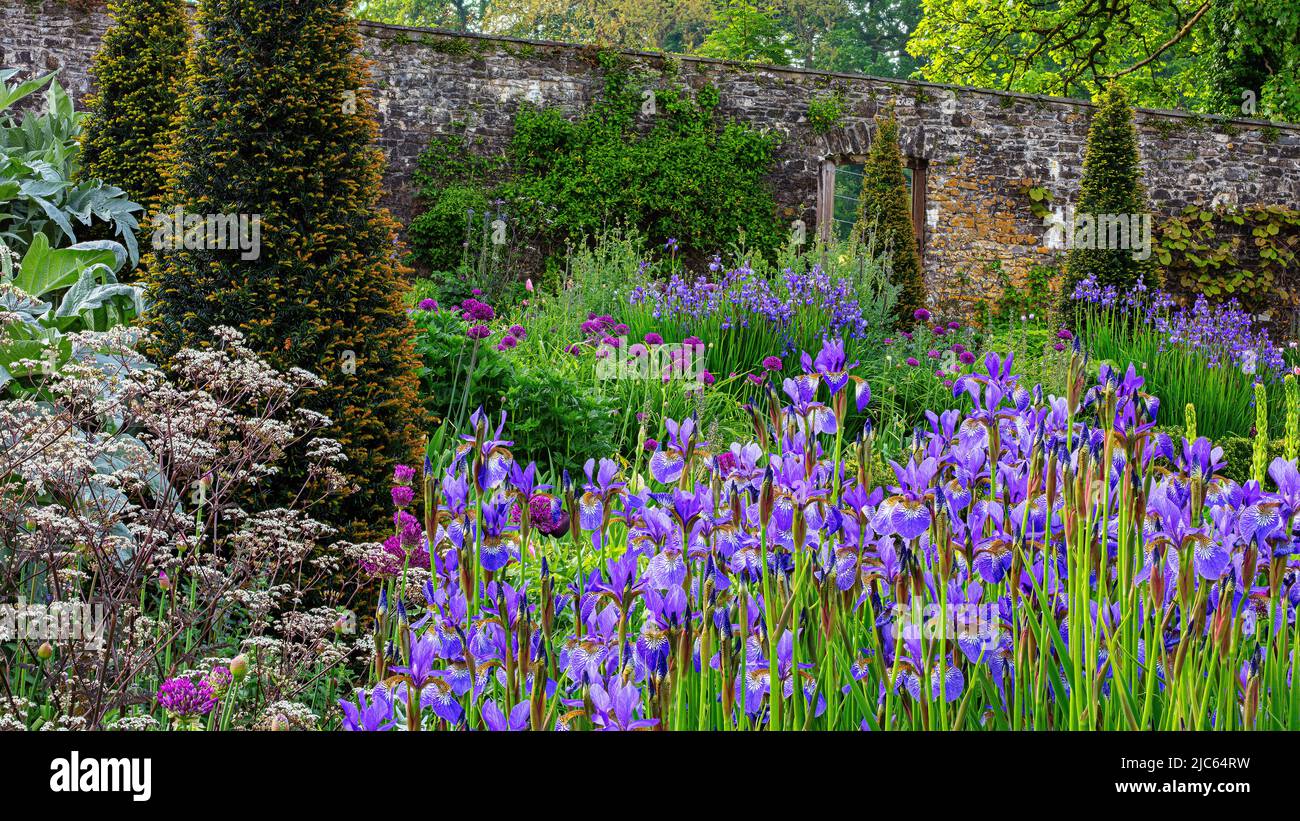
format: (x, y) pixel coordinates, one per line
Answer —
(1247, 252)
(826, 112)
(1254, 61)
(54, 291)
(1112, 184)
(885, 211)
(42, 187)
(137, 71)
(557, 419)
(746, 31)
(457, 373)
(689, 177)
(1239, 456)
(437, 235)
(283, 127)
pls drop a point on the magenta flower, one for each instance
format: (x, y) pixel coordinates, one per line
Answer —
(184, 699)
(518, 331)
(653, 338)
(403, 496)
(967, 358)
(428, 305)
(403, 474)
(921, 315)
(651, 444)
(772, 363)
(912, 360)
(707, 378)
(479, 332)
(506, 343)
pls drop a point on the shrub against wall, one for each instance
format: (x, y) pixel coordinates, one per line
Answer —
(1112, 184)
(885, 210)
(282, 127)
(138, 73)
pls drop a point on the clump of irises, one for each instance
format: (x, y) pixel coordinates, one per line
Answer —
(1209, 354)
(1031, 562)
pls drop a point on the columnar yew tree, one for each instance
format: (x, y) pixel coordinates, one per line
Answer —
(885, 208)
(276, 122)
(1111, 188)
(138, 73)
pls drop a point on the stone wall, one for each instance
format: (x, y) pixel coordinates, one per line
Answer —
(981, 148)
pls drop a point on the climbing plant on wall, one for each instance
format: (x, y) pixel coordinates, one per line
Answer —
(1247, 252)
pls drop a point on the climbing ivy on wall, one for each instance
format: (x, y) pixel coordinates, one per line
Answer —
(1247, 252)
(662, 160)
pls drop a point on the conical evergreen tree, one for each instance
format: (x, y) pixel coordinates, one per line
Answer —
(139, 71)
(276, 122)
(1112, 186)
(885, 209)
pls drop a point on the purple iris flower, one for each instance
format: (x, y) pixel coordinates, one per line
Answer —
(497, 721)
(373, 714)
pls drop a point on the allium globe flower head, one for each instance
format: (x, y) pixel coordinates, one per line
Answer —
(966, 357)
(913, 361)
(1065, 334)
(692, 341)
(479, 332)
(653, 338)
(403, 474)
(921, 315)
(186, 701)
(518, 331)
(707, 378)
(952, 326)
(428, 305)
(507, 342)
(621, 329)
(403, 496)
(771, 363)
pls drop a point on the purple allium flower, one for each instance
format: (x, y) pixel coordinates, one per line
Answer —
(932, 353)
(477, 292)
(692, 341)
(952, 326)
(889, 341)
(1059, 346)
(651, 444)
(967, 358)
(507, 342)
(958, 348)
(912, 360)
(479, 332)
(1065, 334)
(772, 363)
(403, 474)
(707, 378)
(653, 338)
(939, 330)
(621, 329)
(518, 331)
(403, 496)
(428, 305)
(921, 315)
(184, 699)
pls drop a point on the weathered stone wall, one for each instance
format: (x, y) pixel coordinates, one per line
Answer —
(981, 147)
